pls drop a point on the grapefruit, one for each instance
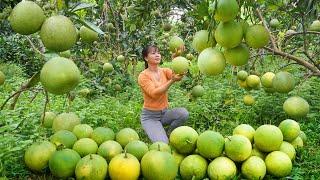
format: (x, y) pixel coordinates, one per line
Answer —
(59, 75)
(48, 119)
(283, 82)
(253, 168)
(184, 139)
(63, 163)
(245, 130)
(175, 43)
(266, 79)
(180, 65)
(257, 36)
(202, 41)
(238, 148)
(237, 56)
(211, 62)
(229, 34)
(222, 168)
(92, 166)
(87, 35)
(63, 137)
(242, 75)
(109, 149)
(26, 17)
(137, 148)
(253, 81)
(82, 131)
(124, 136)
(226, 10)
(65, 121)
(278, 164)
(102, 134)
(290, 129)
(58, 33)
(268, 138)
(197, 91)
(85, 146)
(296, 107)
(124, 166)
(288, 149)
(193, 167)
(210, 144)
(248, 100)
(107, 67)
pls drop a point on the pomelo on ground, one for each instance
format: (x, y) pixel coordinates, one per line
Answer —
(193, 167)
(242, 75)
(92, 167)
(48, 119)
(102, 134)
(109, 149)
(253, 81)
(297, 142)
(288, 149)
(124, 136)
(254, 168)
(296, 107)
(107, 67)
(82, 131)
(197, 91)
(66, 121)
(303, 136)
(278, 164)
(248, 100)
(160, 146)
(137, 148)
(222, 168)
(63, 137)
(210, 144)
(63, 163)
(124, 166)
(184, 139)
(290, 129)
(268, 138)
(238, 148)
(256, 152)
(121, 58)
(245, 130)
(85, 146)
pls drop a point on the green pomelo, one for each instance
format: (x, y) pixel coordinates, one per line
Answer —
(315, 26)
(229, 34)
(107, 67)
(202, 41)
(158, 165)
(38, 154)
(59, 75)
(253, 81)
(85, 146)
(65, 121)
(210, 144)
(303, 136)
(257, 36)
(256, 152)
(296, 107)
(242, 75)
(237, 56)
(290, 129)
(102, 134)
(48, 119)
(175, 43)
(288, 149)
(245, 130)
(297, 143)
(92, 167)
(26, 17)
(82, 131)
(274, 23)
(184, 139)
(266, 79)
(238, 148)
(283, 82)
(211, 62)
(253, 168)
(278, 164)
(248, 100)
(124, 136)
(197, 91)
(58, 33)
(160, 146)
(63, 137)
(268, 138)
(193, 167)
(109, 149)
(137, 148)
(63, 163)
(226, 10)
(180, 65)
(222, 168)
(87, 35)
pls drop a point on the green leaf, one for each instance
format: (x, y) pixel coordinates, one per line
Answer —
(90, 25)
(82, 6)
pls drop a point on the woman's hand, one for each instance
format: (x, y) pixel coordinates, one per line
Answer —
(177, 77)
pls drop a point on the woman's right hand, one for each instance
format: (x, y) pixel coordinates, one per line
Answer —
(177, 77)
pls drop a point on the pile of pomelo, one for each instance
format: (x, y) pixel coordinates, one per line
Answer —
(78, 150)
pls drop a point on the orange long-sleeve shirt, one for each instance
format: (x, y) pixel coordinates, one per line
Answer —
(148, 83)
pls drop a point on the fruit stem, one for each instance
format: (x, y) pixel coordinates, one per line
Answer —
(125, 153)
(159, 147)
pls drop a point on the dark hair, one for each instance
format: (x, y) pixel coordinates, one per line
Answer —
(145, 53)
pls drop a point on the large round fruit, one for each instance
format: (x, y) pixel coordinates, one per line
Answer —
(92, 166)
(102, 134)
(121, 58)
(124, 167)
(202, 41)
(38, 154)
(288, 149)
(109, 149)
(290, 129)
(226, 10)
(193, 167)
(253, 81)
(184, 139)
(137, 148)
(268, 138)
(257, 36)
(303, 136)
(266, 79)
(237, 56)
(242, 75)
(158, 165)
(315, 26)
(124, 136)
(222, 168)
(254, 168)
(175, 43)
(210, 144)
(283, 82)
(87, 35)
(48, 119)
(197, 91)
(296, 107)
(63, 137)
(229, 34)
(245, 130)
(65, 121)
(59, 75)
(180, 65)
(82, 131)
(274, 23)
(26, 17)
(166, 27)
(211, 62)
(238, 148)
(58, 33)
(297, 142)
(256, 152)
(248, 100)
(160, 146)
(85, 146)
(107, 67)
(278, 164)
(63, 163)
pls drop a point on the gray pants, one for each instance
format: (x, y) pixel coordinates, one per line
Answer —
(153, 122)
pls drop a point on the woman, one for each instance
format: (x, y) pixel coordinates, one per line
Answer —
(155, 82)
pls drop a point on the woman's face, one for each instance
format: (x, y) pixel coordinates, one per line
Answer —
(154, 56)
